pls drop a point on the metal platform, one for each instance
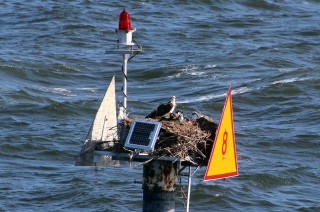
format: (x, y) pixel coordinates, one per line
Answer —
(136, 157)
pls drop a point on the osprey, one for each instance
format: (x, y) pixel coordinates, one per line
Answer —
(197, 115)
(164, 109)
(205, 122)
(178, 115)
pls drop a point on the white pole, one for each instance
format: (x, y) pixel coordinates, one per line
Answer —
(125, 61)
(189, 188)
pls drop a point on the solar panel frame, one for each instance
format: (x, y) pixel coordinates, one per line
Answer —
(143, 134)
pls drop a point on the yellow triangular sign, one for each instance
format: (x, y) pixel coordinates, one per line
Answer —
(223, 158)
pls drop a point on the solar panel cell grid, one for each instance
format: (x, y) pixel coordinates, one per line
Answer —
(143, 134)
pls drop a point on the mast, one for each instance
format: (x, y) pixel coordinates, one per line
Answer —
(128, 49)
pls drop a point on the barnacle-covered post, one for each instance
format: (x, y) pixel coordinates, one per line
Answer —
(159, 184)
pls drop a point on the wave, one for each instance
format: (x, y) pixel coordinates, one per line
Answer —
(62, 91)
(285, 81)
(200, 99)
(209, 97)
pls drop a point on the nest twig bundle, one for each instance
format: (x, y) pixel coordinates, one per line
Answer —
(188, 140)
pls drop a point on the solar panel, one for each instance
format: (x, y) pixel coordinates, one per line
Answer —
(143, 134)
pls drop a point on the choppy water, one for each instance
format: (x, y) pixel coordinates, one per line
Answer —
(54, 71)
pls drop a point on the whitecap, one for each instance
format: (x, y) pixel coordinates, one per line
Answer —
(175, 76)
(62, 91)
(286, 70)
(201, 98)
(241, 90)
(210, 66)
(191, 70)
(214, 96)
(197, 73)
(290, 80)
(92, 90)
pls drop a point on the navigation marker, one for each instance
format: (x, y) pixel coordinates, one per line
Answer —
(223, 158)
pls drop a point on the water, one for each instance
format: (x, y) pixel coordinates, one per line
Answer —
(54, 72)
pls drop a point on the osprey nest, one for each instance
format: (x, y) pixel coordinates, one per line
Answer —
(180, 137)
(187, 140)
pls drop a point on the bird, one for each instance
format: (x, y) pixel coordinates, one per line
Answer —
(175, 115)
(122, 114)
(196, 115)
(163, 109)
(181, 117)
(205, 122)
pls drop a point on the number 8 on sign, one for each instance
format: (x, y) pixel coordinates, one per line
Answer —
(224, 144)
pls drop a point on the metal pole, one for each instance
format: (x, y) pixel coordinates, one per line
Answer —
(159, 184)
(125, 62)
(189, 188)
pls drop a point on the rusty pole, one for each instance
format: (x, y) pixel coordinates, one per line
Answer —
(159, 184)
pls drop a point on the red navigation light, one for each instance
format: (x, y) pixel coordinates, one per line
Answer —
(124, 21)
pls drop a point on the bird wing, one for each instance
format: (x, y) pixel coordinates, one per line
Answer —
(153, 114)
(164, 109)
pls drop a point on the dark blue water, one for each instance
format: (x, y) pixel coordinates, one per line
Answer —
(54, 72)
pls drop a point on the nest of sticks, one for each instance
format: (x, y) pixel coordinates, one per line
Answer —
(190, 140)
